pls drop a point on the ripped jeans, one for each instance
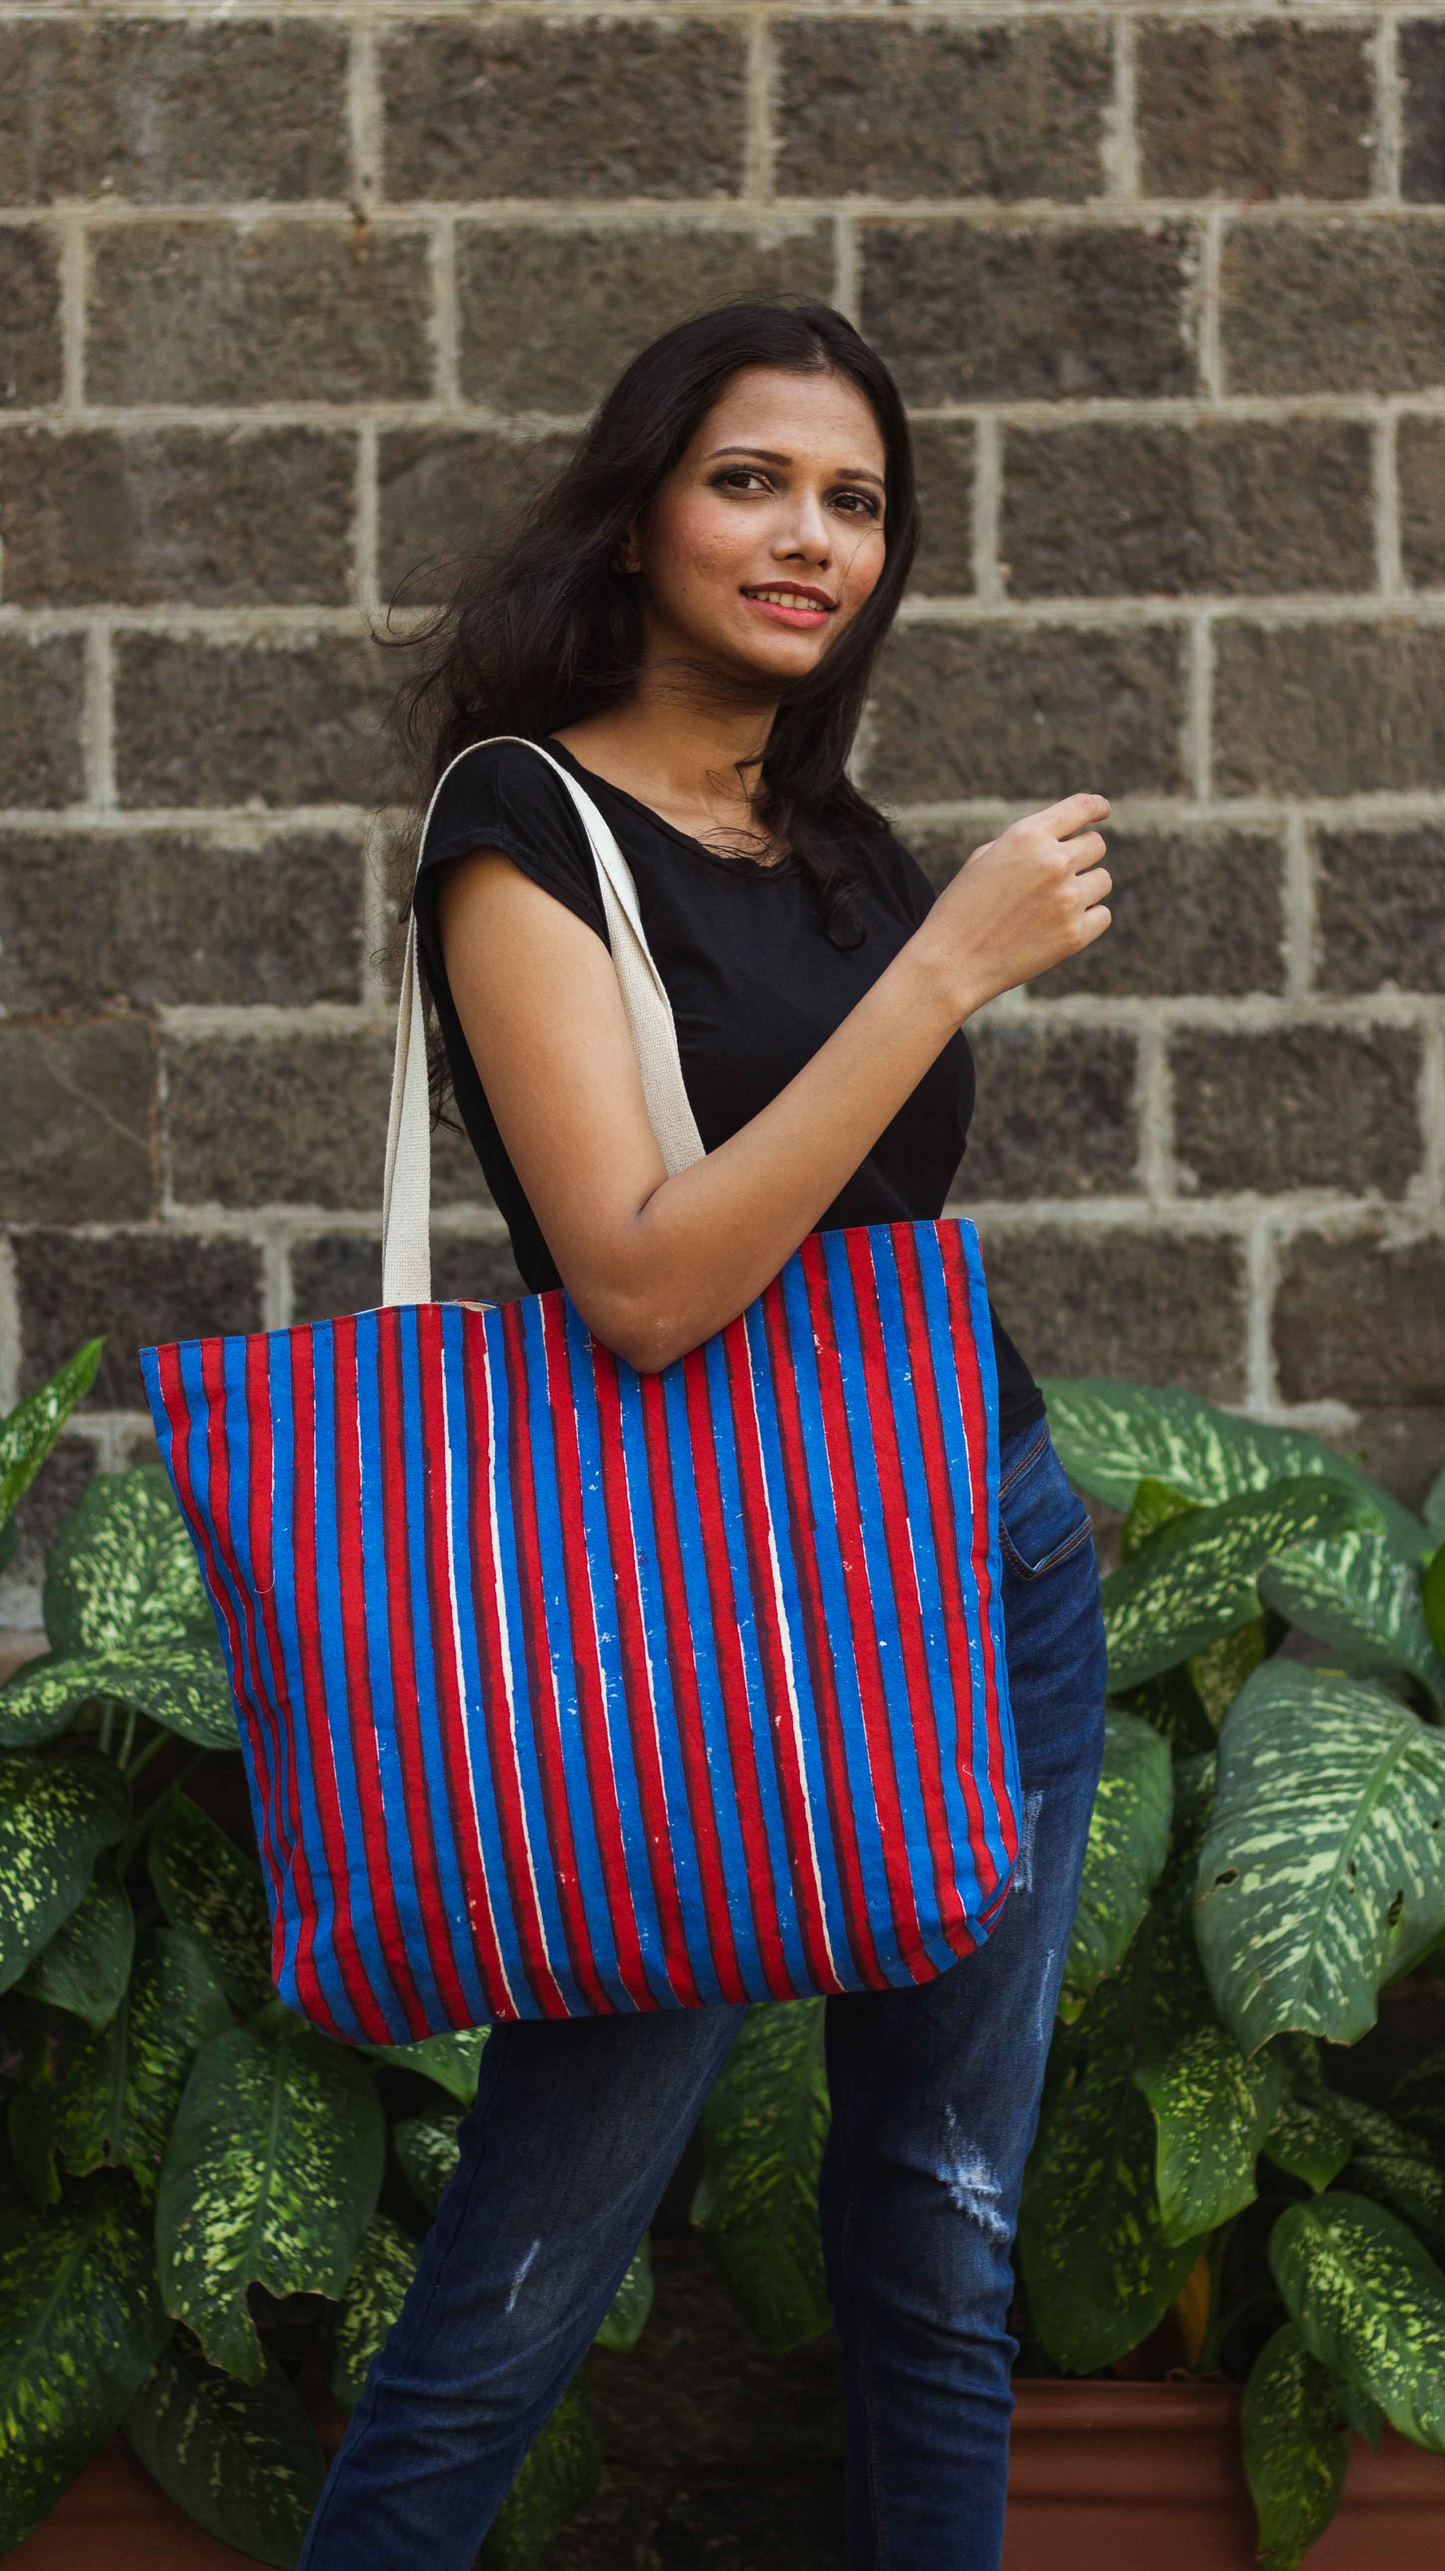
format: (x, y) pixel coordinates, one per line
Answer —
(577, 2127)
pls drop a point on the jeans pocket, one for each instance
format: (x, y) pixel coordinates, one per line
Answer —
(1041, 1522)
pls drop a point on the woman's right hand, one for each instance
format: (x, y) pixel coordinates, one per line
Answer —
(1022, 902)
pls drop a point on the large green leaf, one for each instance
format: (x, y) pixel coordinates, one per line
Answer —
(1197, 1579)
(1128, 1843)
(1432, 1598)
(182, 1685)
(55, 1817)
(453, 2060)
(764, 2128)
(84, 2324)
(1296, 2448)
(241, 2459)
(122, 1572)
(1309, 2139)
(375, 2292)
(1369, 2303)
(1214, 2108)
(427, 2148)
(559, 2476)
(627, 2314)
(1355, 1594)
(270, 2177)
(1098, 2267)
(208, 1886)
(1110, 1435)
(1396, 2166)
(28, 1433)
(118, 2098)
(1323, 1872)
(86, 1966)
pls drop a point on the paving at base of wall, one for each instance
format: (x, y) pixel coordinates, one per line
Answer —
(300, 304)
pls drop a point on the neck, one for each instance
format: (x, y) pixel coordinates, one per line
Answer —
(687, 747)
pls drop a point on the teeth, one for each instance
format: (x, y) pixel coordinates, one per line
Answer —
(786, 598)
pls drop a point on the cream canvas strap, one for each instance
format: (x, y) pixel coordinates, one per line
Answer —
(406, 1188)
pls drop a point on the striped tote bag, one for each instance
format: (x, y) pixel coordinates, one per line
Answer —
(564, 1689)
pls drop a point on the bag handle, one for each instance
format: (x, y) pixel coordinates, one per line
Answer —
(406, 1185)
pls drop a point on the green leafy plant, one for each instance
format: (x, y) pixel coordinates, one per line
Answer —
(209, 2212)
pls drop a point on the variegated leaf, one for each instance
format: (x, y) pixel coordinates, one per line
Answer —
(627, 2314)
(1432, 1599)
(28, 1432)
(1296, 2448)
(453, 2060)
(427, 2148)
(764, 2127)
(55, 1817)
(1309, 2140)
(1220, 1670)
(84, 2324)
(1369, 2303)
(1355, 1594)
(1154, 1506)
(241, 2459)
(182, 1685)
(270, 2177)
(1213, 2109)
(1127, 1845)
(1395, 2166)
(86, 1965)
(211, 1888)
(375, 2292)
(561, 2472)
(122, 1572)
(1323, 1873)
(120, 2092)
(1197, 1579)
(1111, 1434)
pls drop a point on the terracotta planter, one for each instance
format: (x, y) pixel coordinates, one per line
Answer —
(1148, 2476)
(1106, 2477)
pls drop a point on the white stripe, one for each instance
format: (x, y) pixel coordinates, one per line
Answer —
(506, 1643)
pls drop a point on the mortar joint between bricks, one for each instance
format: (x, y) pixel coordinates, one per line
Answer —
(1119, 152)
(1261, 1282)
(1388, 103)
(364, 115)
(759, 138)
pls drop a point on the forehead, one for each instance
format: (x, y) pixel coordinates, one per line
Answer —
(819, 415)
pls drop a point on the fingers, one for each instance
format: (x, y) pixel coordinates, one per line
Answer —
(1095, 884)
(1062, 819)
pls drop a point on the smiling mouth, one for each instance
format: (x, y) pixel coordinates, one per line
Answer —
(792, 606)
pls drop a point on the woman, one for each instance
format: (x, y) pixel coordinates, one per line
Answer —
(689, 620)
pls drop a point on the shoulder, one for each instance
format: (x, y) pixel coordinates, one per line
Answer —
(501, 794)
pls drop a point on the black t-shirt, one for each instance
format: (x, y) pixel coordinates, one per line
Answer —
(755, 983)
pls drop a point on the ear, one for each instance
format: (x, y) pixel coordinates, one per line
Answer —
(626, 557)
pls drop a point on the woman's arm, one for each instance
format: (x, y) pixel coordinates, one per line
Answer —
(656, 1264)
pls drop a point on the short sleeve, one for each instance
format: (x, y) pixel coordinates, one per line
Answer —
(504, 795)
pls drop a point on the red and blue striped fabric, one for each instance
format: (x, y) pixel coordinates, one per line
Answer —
(565, 1689)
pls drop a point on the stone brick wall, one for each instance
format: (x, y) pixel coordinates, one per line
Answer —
(293, 298)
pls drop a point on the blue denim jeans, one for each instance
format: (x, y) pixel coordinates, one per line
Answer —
(935, 2091)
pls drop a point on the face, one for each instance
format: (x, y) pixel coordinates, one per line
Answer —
(767, 536)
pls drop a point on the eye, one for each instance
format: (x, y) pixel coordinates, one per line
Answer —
(735, 477)
(857, 504)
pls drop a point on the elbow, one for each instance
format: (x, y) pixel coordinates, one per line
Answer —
(646, 1334)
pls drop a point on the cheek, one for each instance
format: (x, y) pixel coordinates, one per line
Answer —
(862, 566)
(701, 545)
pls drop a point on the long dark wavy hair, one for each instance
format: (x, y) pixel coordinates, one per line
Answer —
(541, 628)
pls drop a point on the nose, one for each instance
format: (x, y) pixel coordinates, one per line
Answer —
(809, 538)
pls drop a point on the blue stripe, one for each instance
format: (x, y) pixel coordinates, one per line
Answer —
(681, 1835)
(425, 1612)
(982, 1318)
(955, 1442)
(764, 1744)
(615, 1687)
(904, 1363)
(469, 1495)
(709, 1689)
(524, 1730)
(378, 1467)
(838, 1639)
(789, 1539)
(264, 1771)
(557, 1618)
(338, 1708)
(880, 1583)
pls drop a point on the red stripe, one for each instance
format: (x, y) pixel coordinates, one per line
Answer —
(641, 1707)
(312, 1709)
(361, 1710)
(431, 1906)
(820, 1650)
(975, 1421)
(732, 1680)
(546, 1720)
(943, 1516)
(687, 1707)
(896, 1536)
(861, 1618)
(782, 1709)
(497, 1688)
(284, 1788)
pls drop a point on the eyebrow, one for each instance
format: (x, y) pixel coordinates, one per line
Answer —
(769, 455)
